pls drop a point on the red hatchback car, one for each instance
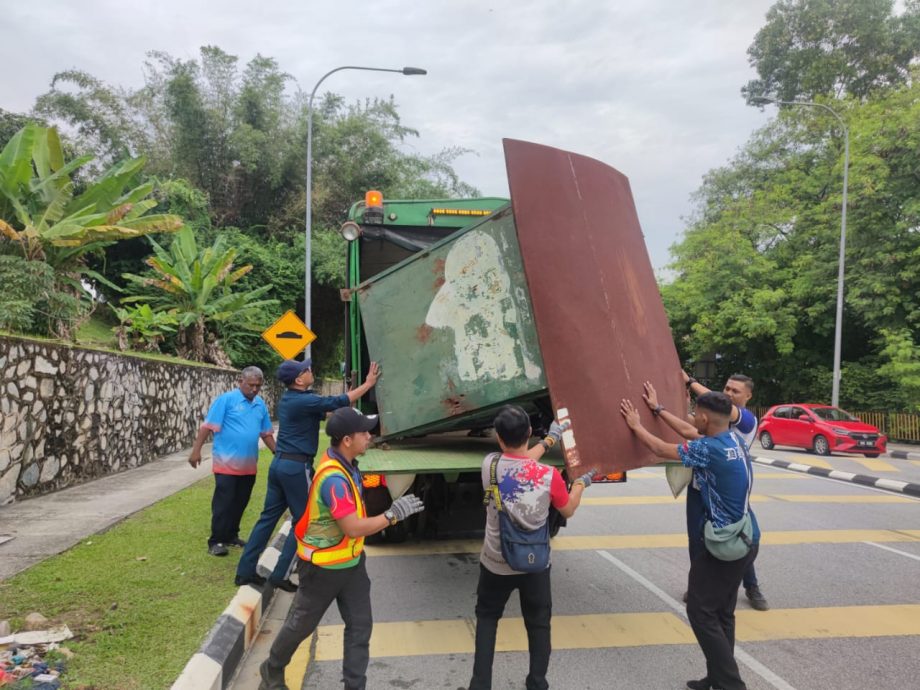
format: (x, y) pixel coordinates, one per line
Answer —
(821, 428)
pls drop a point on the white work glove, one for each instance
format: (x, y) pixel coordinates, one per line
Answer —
(407, 505)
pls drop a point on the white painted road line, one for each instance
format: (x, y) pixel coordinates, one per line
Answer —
(897, 551)
(742, 656)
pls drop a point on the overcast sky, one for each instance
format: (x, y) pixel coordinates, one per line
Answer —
(651, 87)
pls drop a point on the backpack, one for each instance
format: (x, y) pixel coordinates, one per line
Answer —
(526, 551)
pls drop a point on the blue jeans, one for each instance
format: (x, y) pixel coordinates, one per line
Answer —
(695, 521)
(288, 486)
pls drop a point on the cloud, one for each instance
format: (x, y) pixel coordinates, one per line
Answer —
(651, 87)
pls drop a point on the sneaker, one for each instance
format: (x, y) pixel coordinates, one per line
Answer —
(286, 585)
(239, 543)
(255, 580)
(218, 550)
(272, 679)
(757, 599)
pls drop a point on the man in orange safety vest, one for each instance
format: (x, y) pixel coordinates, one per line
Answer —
(330, 544)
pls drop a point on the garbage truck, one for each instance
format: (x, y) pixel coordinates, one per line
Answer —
(546, 300)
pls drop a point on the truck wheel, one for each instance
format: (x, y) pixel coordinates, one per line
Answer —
(396, 534)
(821, 446)
(766, 441)
(872, 455)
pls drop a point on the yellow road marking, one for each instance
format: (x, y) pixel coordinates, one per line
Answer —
(916, 462)
(609, 630)
(876, 465)
(755, 498)
(297, 668)
(654, 541)
(842, 621)
(812, 460)
(758, 474)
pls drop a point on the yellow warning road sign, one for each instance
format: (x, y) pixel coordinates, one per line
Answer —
(288, 335)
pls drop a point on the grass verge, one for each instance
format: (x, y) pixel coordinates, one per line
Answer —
(141, 597)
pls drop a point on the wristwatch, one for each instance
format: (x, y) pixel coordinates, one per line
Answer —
(391, 516)
(657, 410)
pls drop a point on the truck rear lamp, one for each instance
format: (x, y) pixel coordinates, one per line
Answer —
(350, 231)
(610, 478)
(372, 481)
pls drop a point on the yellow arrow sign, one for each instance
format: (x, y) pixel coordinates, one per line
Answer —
(288, 335)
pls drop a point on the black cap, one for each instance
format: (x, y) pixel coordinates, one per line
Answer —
(347, 420)
(290, 369)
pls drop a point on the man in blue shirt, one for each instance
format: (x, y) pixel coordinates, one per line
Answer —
(722, 470)
(739, 388)
(237, 419)
(300, 412)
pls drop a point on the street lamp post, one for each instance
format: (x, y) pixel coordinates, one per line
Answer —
(838, 325)
(408, 71)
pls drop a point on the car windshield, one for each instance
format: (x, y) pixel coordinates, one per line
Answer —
(833, 414)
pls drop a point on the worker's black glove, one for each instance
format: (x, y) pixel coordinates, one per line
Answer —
(407, 505)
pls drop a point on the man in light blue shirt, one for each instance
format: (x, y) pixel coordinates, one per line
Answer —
(238, 419)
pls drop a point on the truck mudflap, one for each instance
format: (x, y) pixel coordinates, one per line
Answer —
(550, 302)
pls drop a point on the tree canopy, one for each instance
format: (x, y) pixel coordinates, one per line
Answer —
(226, 147)
(838, 48)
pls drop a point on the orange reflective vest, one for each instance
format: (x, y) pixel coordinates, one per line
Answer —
(311, 525)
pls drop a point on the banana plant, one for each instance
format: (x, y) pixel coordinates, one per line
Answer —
(40, 213)
(199, 285)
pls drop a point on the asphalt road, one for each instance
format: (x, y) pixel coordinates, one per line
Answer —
(839, 564)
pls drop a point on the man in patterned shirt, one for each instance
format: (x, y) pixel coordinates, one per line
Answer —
(527, 490)
(739, 388)
(722, 470)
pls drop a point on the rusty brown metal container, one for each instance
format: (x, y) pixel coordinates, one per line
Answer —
(551, 299)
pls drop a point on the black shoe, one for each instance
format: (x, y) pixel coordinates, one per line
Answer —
(701, 684)
(272, 679)
(218, 550)
(757, 599)
(240, 543)
(686, 595)
(255, 580)
(286, 585)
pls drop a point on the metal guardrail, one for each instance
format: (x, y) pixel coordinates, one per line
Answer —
(897, 426)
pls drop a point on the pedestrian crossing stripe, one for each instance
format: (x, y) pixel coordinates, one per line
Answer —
(655, 541)
(755, 498)
(612, 630)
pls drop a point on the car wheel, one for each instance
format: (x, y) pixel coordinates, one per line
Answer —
(872, 455)
(766, 441)
(821, 446)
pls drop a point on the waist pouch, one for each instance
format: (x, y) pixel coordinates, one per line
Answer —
(731, 542)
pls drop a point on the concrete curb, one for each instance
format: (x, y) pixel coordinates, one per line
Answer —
(214, 664)
(887, 484)
(904, 454)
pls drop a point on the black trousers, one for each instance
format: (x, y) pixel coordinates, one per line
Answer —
(231, 496)
(536, 606)
(350, 588)
(695, 519)
(711, 601)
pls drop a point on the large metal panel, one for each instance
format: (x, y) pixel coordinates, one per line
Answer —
(599, 317)
(453, 331)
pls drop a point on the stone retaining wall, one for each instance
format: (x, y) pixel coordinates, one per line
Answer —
(68, 415)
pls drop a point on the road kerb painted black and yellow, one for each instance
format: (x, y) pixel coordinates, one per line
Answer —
(212, 667)
(909, 488)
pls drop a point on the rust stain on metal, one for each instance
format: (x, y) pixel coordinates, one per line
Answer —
(423, 332)
(455, 405)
